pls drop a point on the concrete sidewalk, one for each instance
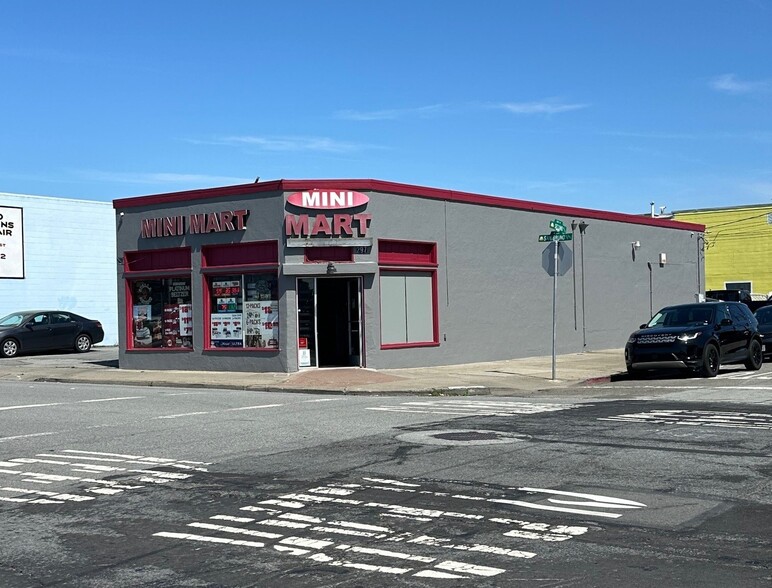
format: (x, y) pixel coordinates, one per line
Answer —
(514, 376)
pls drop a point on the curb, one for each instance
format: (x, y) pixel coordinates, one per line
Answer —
(451, 391)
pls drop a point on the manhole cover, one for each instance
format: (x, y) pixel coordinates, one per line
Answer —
(460, 437)
(468, 436)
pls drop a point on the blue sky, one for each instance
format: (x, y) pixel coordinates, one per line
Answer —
(600, 104)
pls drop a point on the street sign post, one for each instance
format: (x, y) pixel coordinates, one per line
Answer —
(557, 234)
(557, 226)
(554, 236)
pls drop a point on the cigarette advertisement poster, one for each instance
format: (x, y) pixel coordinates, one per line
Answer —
(186, 320)
(262, 323)
(227, 329)
(179, 291)
(227, 288)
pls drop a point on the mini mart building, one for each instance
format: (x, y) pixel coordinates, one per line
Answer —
(292, 274)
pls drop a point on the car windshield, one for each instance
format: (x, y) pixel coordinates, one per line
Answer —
(11, 320)
(764, 315)
(682, 316)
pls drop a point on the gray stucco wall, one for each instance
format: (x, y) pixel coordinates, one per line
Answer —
(494, 296)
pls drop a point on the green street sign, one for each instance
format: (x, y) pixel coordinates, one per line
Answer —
(557, 226)
(555, 236)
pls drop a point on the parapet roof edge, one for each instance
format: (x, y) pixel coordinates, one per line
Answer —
(723, 208)
(402, 189)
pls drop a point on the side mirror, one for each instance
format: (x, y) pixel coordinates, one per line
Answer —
(29, 326)
(643, 326)
(725, 322)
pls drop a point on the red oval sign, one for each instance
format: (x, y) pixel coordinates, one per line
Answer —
(328, 199)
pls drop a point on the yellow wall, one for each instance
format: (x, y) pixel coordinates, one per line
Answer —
(738, 245)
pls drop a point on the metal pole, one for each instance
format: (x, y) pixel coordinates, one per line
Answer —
(651, 291)
(582, 227)
(573, 272)
(554, 304)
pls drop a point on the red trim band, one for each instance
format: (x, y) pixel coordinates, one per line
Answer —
(404, 189)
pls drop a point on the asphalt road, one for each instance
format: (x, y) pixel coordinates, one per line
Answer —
(655, 482)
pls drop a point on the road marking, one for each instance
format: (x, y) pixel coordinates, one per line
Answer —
(55, 462)
(446, 544)
(20, 406)
(191, 537)
(53, 495)
(44, 405)
(321, 538)
(596, 499)
(456, 566)
(28, 436)
(472, 407)
(188, 414)
(252, 407)
(237, 530)
(112, 399)
(700, 418)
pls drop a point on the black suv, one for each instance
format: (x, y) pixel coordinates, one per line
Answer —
(699, 337)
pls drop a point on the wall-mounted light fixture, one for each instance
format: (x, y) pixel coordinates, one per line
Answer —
(331, 268)
(635, 246)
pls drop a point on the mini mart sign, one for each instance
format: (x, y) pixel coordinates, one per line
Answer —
(11, 242)
(340, 224)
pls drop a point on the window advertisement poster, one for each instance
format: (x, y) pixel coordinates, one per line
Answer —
(143, 334)
(270, 325)
(173, 327)
(179, 291)
(227, 330)
(227, 288)
(11, 243)
(186, 321)
(262, 324)
(227, 305)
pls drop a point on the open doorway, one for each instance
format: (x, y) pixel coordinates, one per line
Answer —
(329, 322)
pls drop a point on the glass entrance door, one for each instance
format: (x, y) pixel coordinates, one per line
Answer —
(329, 322)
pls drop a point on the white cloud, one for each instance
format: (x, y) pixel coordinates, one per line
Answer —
(548, 106)
(731, 84)
(393, 113)
(287, 143)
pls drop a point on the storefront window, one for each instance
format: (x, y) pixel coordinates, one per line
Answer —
(244, 311)
(408, 293)
(407, 314)
(162, 313)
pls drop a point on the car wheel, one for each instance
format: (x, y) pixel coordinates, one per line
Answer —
(9, 348)
(755, 356)
(82, 343)
(711, 361)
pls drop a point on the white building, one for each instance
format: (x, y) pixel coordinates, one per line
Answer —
(62, 257)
